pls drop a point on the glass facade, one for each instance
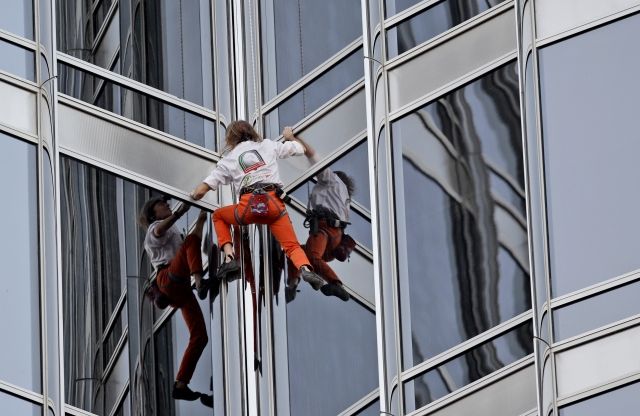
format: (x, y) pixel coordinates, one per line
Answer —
(492, 148)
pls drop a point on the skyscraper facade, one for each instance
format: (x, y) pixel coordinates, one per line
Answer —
(492, 148)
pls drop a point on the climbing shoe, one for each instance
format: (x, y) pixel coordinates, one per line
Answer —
(313, 279)
(229, 270)
(206, 399)
(334, 289)
(184, 393)
(291, 290)
(203, 290)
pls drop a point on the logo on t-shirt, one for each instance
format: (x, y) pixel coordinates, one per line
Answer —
(250, 161)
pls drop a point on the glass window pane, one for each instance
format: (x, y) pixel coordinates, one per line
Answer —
(298, 36)
(171, 341)
(623, 401)
(17, 60)
(433, 21)
(20, 294)
(341, 338)
(372, 410)
(166, 44)
(14, 405)
(589, 122)
(462, 247)
(468, 367)
(137, 106)
(311, 97)
(17, 17)
(594, 312)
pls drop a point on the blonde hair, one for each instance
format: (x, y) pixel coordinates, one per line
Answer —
(240, 131)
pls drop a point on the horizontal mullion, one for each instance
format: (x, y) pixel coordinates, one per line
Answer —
(19, 134)
(137, 126)
(328, 160)
(18, 40)
(115, 315)
(409, 13)
(311, 76)
(542, 42)
(475, 386)
(449, 34)
(594, 391)
(21, 392)
(452, 86)
(361, 404)
(466, 346)
(596, 334)
(596, 289)
(137, 86)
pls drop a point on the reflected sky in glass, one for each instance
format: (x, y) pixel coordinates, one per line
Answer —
(17, 17)
(431, 22)
(13, 405)
(20, 294)
(594, 312)
(589, 90)
(295, 39)
(623, 401)
(17, 60)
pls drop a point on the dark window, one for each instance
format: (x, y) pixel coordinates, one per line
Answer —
(589, 89)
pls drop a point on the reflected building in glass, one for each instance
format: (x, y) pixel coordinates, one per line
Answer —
(494, 153)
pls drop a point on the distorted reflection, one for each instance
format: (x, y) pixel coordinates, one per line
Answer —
(331, 340)
(462, 235)
(468, 367)
(315, 94)
(327, 217)
(115, 343)
(139, 107)
(356, 165)
(431, 22)
(150, 38)
(295, 38)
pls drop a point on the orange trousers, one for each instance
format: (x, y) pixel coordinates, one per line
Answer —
(319, 247)
(175, 282)
(276, 218)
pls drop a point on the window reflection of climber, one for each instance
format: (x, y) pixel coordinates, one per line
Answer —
(251, 165)
(327, 217)
(176, 261)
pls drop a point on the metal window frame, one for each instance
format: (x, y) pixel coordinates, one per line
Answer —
(139, 87)
(444, 37)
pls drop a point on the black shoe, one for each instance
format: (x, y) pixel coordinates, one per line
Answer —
(291, 290)
(290, 293)
(334, 289)
(207, 400)
(203, 290)
(313, 279)
(184, 393)
(229, 271)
